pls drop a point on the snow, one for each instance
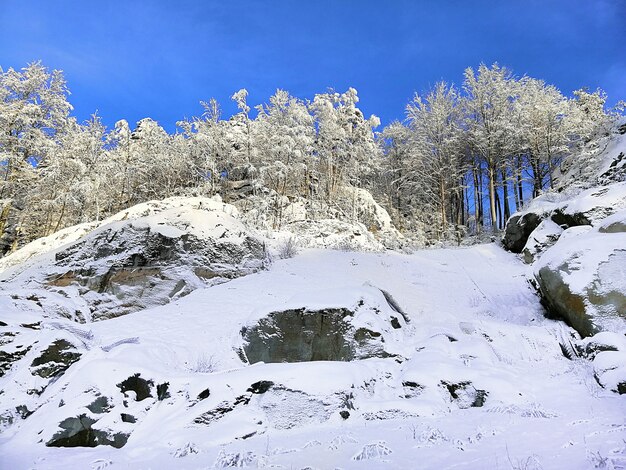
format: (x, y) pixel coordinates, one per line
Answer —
(597, 203)
(473, 320)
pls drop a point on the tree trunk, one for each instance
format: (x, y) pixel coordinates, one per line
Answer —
(492, 196)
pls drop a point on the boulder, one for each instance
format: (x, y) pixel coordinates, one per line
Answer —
(78, 432)
(518, 229)
(582, 279)
(55, 359)
(543, 237)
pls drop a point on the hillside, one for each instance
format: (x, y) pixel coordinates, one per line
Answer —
(442, 356)
(185, 333)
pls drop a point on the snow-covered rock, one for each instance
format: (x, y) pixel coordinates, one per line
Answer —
(582, 278)
(141, 257)
(589, 207)
(543, 237)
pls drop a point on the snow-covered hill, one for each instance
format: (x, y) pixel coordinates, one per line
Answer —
(440, 359)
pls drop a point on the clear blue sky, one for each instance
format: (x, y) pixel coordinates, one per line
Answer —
(136, 58)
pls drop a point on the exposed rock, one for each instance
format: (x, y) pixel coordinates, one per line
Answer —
(261, 386)
(586, 208)
(582, 279)
(141, 387)
(162, 251)
(616, 170)
(99, 405)
(543, 237)
(335, 333)
(55, 359)
(518, 229)
(465, 395)
(614, 224)
(8, 358)
(300, 336)
(162, 391)
(78, 432)
(126, 418)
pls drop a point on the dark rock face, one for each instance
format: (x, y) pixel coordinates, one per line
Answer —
(261, 386)
(7, 359)
(518, 229)
(55, 359)
(78, 432)
(300, 336)
(562, 218)
(100, 405)
(141, 387)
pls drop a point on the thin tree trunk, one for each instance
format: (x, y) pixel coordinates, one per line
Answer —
(492, 196)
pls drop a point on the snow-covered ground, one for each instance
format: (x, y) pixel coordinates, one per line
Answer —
(476, 378)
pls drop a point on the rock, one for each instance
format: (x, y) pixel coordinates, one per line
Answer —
(587, 208)
(582, 279)
(543, 237)
(8, 358)
(518, 229)
(100, 405)
(141, 387)
(335, 333)
(55, 359)
(78, 432)
(604, 341)
(614, 224)
(300, 336)
(164, 250)
(464, 394)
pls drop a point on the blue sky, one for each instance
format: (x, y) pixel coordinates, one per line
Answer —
(134, 59)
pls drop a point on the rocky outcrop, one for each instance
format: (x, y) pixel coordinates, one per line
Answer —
(543, 237)
(337, 333)
(589, 207)
(582, 279)
(78, 432)
(158, 252)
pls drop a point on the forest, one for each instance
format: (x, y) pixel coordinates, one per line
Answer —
(461, 161)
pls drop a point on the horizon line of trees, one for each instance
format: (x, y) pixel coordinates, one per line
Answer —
(463, 160)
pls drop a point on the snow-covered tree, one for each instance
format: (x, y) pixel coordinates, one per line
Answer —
(491, 93)
(33, 113)
(436, 164)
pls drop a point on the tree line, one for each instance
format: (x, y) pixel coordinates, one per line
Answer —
(461, 162)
